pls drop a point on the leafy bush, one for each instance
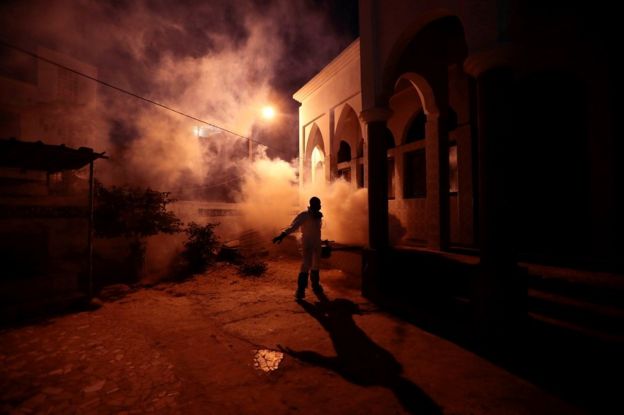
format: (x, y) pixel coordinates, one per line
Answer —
(201, 247)
(133, 213)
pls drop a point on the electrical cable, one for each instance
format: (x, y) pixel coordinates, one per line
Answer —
(119, 89)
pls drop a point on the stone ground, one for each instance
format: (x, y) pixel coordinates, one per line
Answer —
(200, 347)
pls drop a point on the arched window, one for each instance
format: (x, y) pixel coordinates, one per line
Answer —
(344, 152)
(344, 161)
(318, 165)
(415, 174)
(416, 129)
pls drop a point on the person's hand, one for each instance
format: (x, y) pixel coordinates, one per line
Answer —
(279, 238)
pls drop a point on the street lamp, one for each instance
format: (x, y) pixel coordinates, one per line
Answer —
(268, 112)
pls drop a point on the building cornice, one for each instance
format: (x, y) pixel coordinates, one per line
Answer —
(350, 54)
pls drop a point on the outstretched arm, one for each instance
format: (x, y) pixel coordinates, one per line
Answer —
(293, 227)
(279, 238)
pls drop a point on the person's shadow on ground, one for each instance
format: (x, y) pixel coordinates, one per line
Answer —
(358, 359)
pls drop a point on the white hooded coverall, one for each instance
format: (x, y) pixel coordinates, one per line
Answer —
(310, 223)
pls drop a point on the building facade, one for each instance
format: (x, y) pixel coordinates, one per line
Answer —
(482, 127)
(46, 181)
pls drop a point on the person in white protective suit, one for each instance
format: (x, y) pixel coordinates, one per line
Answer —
(310, 222)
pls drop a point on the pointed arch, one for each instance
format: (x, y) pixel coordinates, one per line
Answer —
(424, 90)
(315, 139)
(344, 152)
(348, 130)
(314, 163)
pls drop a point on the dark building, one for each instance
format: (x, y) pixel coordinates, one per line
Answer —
(489, 138)
(46, 211)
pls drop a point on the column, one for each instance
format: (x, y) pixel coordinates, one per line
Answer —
(434, 200)
(499, 295)
(374, 258)
(437, 210)
(378, 132)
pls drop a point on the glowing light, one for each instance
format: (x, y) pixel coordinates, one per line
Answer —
(268, 112)
(318, 165)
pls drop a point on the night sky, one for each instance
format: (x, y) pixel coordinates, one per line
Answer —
(147, 47)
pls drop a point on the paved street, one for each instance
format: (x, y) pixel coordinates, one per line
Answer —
(213, 345)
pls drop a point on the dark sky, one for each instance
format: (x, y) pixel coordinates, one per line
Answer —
(342, 17)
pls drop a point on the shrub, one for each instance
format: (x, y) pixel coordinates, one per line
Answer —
(201, 247)
(133, 213)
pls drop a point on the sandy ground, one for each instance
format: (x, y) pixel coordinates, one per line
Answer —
(192, 348)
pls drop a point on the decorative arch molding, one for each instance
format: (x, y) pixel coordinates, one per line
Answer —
(348, 119)
(314, 140)
(424, 90)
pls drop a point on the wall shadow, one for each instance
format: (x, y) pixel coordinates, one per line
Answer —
(358, 359)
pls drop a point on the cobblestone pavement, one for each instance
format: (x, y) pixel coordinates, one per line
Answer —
(189, 348)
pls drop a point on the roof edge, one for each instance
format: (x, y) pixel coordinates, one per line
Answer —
(348, 55)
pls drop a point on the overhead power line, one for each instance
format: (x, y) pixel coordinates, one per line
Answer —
(132, 94)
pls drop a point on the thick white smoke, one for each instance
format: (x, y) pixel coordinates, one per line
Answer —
(219, 61)
(345, 210)
(270, 200)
